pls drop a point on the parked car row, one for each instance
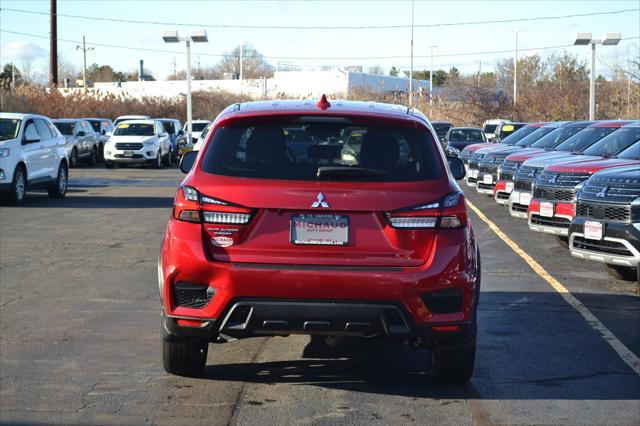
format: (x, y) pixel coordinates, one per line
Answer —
(578, 181)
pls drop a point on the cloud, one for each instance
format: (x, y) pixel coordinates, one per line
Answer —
(23, 50)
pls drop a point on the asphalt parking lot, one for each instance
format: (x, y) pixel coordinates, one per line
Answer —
(79, 332)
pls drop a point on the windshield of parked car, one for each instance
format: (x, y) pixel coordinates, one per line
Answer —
(534, 136)
(65, 128)
(463, 135)
(198, 127)
(489, 128)
(9, 128)
(134, 129)
(326, 150)
(518, 135)
(632, 152)
(614, 142)
(441, 128)
(554, 138)
(581, 140)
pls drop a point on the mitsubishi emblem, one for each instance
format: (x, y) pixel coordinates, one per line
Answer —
(554, 179)
(320, 202)
(603, 193)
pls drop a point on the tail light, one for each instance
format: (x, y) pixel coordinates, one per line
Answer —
(191, 206)
(448, 213)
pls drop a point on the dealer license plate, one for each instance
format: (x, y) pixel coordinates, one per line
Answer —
(508, 187)
(310, 229)
(546, 209)
(488, 179)
(525, 198)
(593, 230)
(127, 154)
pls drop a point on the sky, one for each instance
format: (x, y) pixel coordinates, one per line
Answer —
(461, 46)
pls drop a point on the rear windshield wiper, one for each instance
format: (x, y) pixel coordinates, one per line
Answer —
(347, 172)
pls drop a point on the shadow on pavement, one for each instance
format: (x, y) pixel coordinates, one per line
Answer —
(531, 345)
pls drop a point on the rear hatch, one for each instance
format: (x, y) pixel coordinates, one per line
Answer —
(318, 192)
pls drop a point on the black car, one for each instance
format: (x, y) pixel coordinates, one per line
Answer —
(441, 128)
(461, 137)
(606, 228)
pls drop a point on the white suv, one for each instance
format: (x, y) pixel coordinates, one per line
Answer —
(138, 141)
(32, 155)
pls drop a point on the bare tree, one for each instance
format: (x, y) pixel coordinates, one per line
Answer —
(254, 64)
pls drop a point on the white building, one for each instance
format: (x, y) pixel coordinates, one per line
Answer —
(290, 84)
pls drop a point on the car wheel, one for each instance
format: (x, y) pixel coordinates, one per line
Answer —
(166, 160)
(563, 241)
(183, 356)
(101, 152)
(453, 363)
(158, 163)
(93, 158)
(59, 187)
(624, 273)
(73, 160)
(18, 186)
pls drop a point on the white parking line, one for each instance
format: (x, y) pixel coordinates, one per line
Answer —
(627, 356)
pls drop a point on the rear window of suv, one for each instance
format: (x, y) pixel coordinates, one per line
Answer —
(322, 150)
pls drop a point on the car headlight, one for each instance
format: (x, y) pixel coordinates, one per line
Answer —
(149, 143)
(4, 152)
(577, 190)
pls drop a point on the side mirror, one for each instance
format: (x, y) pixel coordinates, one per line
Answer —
(457, 167)
(103, 131)
(81, 133)
(186, 163)
(180, 132)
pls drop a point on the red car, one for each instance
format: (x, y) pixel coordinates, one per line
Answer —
(328, 219)
(553, 205)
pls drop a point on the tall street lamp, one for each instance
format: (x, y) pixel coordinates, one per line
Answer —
(584, 39)
(196, 37)
(515, 67)
(431, 77)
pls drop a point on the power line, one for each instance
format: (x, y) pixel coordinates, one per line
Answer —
(303, 58)
(330, 27)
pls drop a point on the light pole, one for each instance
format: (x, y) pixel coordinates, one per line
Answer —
(196, 37)
(84, 63)
(411, 67)
(515, 68)
(584, 39)
(431, 77)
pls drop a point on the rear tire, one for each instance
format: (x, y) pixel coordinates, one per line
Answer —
(183, 356)
(453, 364)
(624, 273)
(93, 157)
(563, 241)
(73, 158)
(18, 188)
(59, 187)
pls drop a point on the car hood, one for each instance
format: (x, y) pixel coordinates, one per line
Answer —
(544, 161)
(499, 148)
(476, 146)
(130, 139)
(592, 165)
(528, 153)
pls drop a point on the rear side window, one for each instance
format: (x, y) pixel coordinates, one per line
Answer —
(322, 151)
(489, 128)
(43, 129)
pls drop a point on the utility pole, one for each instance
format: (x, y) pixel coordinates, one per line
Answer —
(479, 71)
(241, 65)
(84, 62)
(53, 49)
(411, 68)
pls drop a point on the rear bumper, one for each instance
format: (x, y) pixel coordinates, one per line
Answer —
(346, 297)
(620, 244)
(558, 224)
(254, 317)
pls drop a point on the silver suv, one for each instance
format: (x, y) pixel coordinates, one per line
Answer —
(82, 142)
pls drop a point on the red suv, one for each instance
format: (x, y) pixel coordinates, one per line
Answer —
(327, 219)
